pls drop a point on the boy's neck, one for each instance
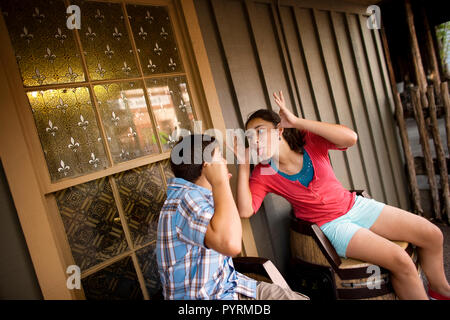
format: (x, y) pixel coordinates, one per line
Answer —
(203, 182)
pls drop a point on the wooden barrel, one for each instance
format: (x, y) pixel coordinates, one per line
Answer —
(353, 279)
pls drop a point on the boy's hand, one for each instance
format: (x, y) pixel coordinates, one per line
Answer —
(288, 119)
(216, 172)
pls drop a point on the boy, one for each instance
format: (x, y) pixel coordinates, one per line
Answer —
(199, 230)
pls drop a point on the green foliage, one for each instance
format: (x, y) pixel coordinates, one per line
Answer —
(443, 38)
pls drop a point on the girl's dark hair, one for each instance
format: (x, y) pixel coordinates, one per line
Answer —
(191, 169)
(293, 136)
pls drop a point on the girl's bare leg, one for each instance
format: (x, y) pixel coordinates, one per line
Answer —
(367, 246)
(397, 224)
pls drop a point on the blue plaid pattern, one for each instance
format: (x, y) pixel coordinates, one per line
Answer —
(188, 269)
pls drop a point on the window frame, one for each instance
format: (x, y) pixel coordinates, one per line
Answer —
(26, 168)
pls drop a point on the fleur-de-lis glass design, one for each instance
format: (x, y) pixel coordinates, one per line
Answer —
(62, 106)
(67, 135)
(38, 76)
(38, 15)
(172, 97)
(148, 17)
(100, 70)
(139, 115)
(119, 104)
(108, 52)
(156, 42)
(90, 35)
(142, 33)
(49, 55)
(116, 34)
(73, 145)
(71, 75)
(62, 137)
(172, 64)
(115, 119)
(42, 44)
(132, 133)
(124, 154)
(83, 123)
(157, 49)
(60, 36)
(182, 106)
(94, 161)
(151, 66)
(99, 16)
(163, 33)
(107, 43)
(27, 36)
(126, 69)
(123, 98)
(171, 141)
(63, 168)
(51, 128)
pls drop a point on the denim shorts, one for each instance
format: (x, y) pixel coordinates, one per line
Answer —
(363, 214)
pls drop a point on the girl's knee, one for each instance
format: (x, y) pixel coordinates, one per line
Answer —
(402, 263)
(436, 235)
(433, 235)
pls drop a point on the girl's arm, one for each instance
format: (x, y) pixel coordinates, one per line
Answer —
(244, 196)
(337, 134)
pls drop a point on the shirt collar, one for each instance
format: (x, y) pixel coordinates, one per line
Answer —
(174, 183)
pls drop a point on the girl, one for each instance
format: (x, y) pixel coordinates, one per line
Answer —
(296, 166)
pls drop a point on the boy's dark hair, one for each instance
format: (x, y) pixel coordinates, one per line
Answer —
(190, 166)
(293, 136)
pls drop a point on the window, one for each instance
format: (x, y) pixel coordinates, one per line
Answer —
(105, 100)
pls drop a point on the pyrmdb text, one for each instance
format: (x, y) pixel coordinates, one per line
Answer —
(226, 309)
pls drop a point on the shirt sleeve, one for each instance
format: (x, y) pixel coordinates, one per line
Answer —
(195, 213)
(258, 189)
(317, 142)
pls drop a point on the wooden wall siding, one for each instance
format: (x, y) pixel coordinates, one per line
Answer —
(329, 65)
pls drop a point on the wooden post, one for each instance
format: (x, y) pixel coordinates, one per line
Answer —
(440, 155)
(424, 141)
(417, 59)
(436, 78)
(408, 155)
(446, 101)
(409, 159)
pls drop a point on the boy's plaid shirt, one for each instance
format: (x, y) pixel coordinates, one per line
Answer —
(189, 270)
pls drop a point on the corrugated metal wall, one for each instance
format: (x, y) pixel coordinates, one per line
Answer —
(331, 68)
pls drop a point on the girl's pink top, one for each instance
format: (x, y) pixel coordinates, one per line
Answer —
(324, 200)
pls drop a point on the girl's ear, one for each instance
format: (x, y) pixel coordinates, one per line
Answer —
(280, 130)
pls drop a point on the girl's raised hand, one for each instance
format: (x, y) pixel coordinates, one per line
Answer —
(288, 119)
(242, 154)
